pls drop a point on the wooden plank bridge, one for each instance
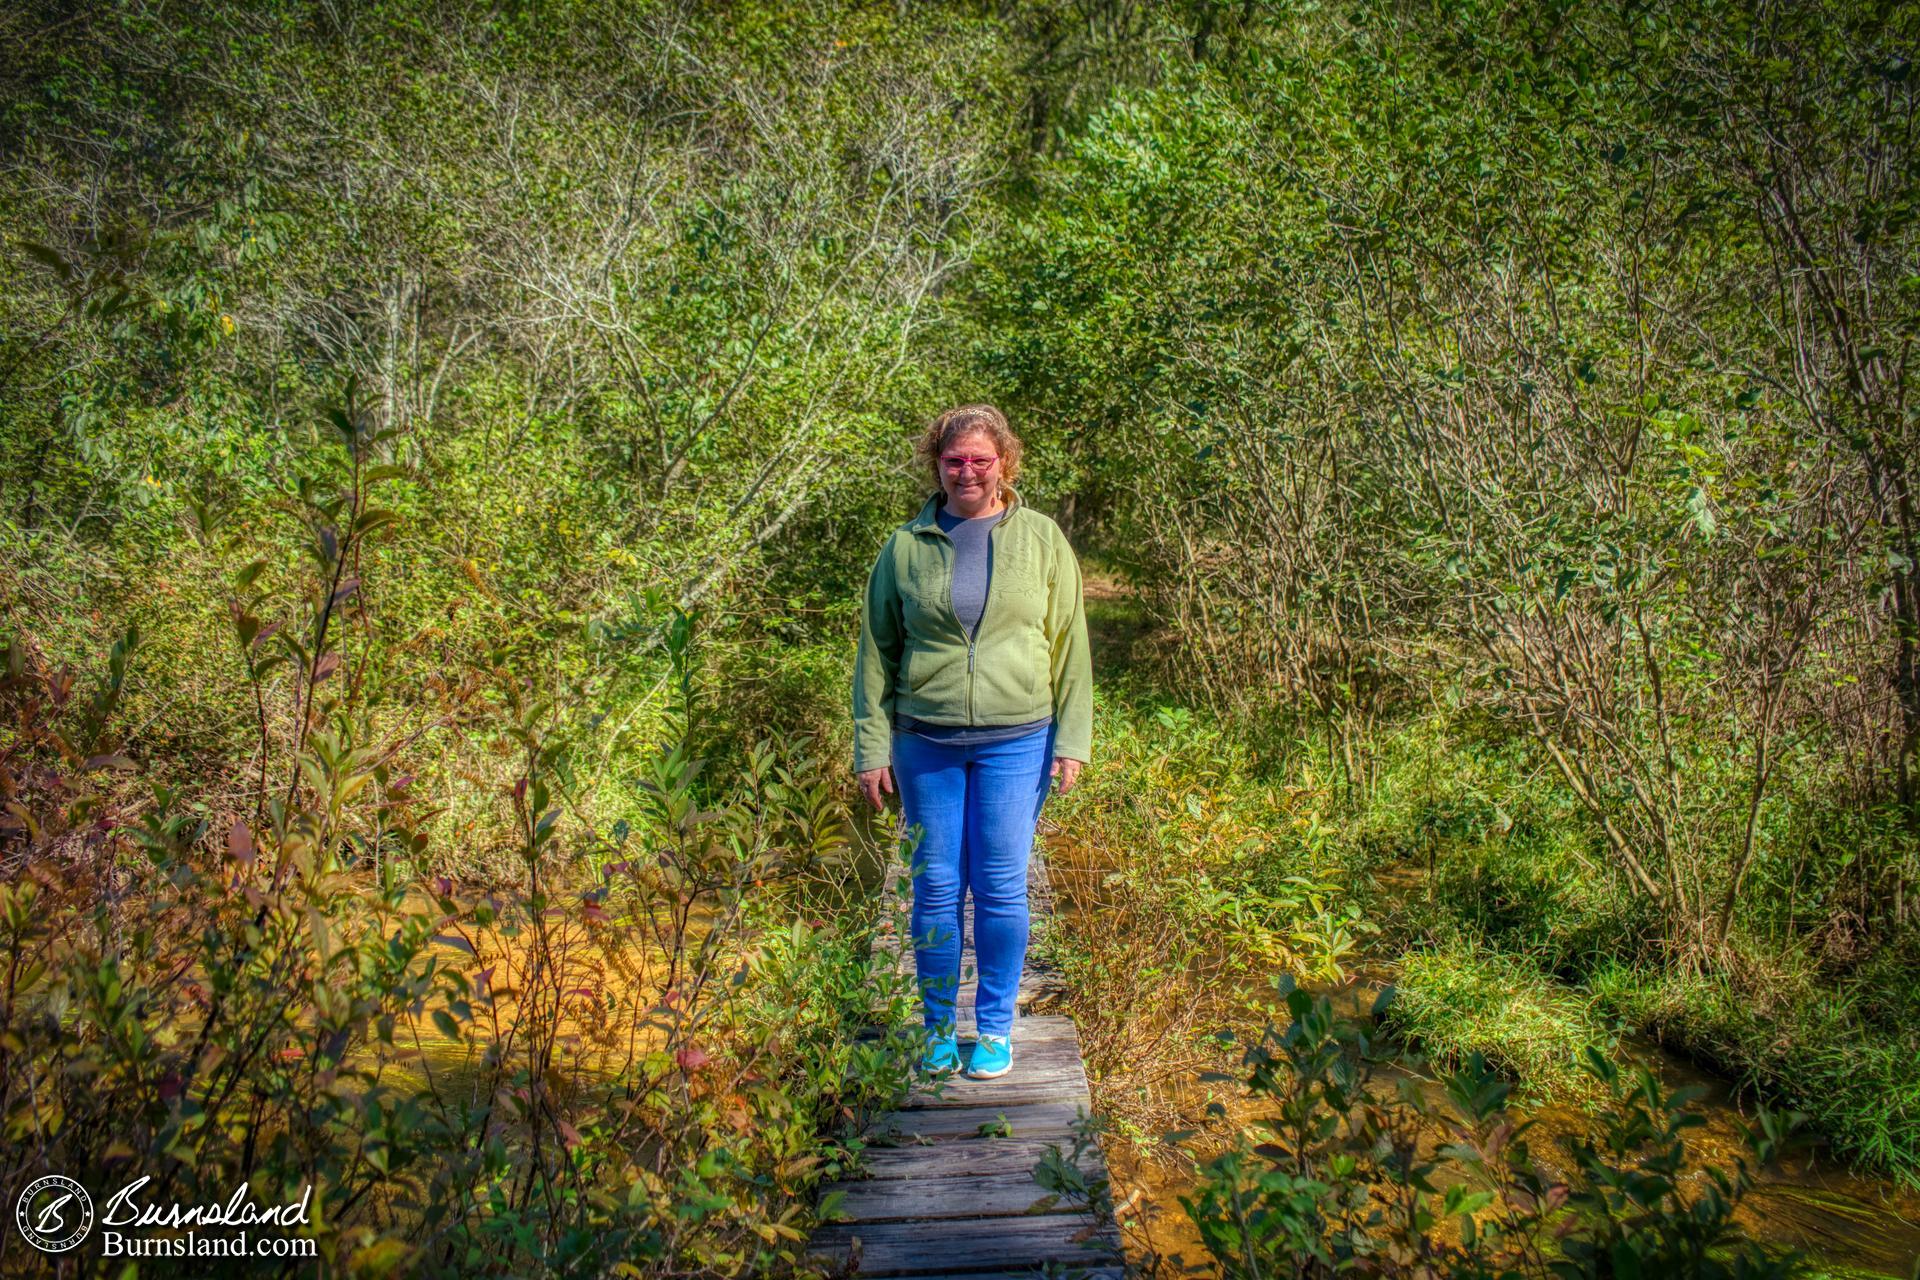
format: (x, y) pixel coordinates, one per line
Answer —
(950, 1189)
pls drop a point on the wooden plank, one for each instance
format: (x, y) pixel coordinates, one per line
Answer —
(970, 1158)
(1028, 1120)
(1045, 1029)
(1037, 1039)
(1035, 1273)
(992, 1243)
(1052, 1052)
(1058, 1076)
(1027, 1030)
(1063, 1084)
(980, 1195)
(1040, 1073)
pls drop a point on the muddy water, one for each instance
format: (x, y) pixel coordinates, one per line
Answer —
(1849, 1223)
(595, 1000)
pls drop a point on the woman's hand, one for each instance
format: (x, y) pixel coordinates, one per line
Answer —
(1067, 771)
(875, 781)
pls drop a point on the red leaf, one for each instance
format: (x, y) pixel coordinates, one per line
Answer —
(328, 664)
(240, 842)
(692, 1058)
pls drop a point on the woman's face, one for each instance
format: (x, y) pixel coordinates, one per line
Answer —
(969, 485)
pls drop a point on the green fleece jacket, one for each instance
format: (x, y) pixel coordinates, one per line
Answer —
(1029, 658)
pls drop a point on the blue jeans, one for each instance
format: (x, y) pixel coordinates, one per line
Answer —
(979, 806)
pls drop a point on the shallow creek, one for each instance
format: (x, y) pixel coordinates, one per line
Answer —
(1850, 1223)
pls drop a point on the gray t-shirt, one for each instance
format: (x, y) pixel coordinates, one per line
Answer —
(972, 563)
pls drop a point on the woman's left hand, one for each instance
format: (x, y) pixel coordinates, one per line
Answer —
(1067, 771)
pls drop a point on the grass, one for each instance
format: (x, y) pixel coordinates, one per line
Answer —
(1815, 1050)
(1183, 888)
(1461, 999)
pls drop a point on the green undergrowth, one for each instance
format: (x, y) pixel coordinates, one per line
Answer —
(640, 1056)
(1821, 1050)
(1517, 939)
(1184, 889)
(1174, 862)
(1511, 934)
(1240, 862)
(1340, 1184)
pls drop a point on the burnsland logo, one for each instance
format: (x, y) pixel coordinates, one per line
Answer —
(53, 1213)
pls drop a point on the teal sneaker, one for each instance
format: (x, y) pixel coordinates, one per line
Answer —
(942, 1054)
(992, 1056)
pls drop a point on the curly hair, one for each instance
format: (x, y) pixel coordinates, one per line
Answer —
(966, 419)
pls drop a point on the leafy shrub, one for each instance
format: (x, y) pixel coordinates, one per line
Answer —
(627, 1056)
(1348, 1180)
(1184, 893)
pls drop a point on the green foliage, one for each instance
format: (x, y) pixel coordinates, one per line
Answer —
(1191, 877)
(1842, 1054)
(1467, 352)
(1515, 946)
(630, 334)
(1343, 1183)
(1458, 1002)
(556, 1075)
(1063, 1174)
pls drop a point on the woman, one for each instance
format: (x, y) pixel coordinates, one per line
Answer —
(972, 687)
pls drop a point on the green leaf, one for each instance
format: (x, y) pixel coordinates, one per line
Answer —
(50, 256)
(371, 519)
(1699, 508)
(246, 577)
